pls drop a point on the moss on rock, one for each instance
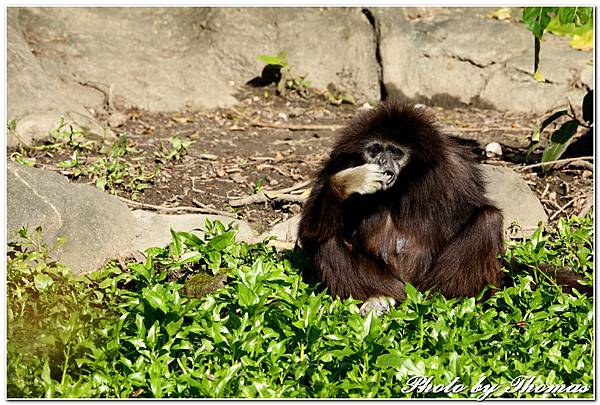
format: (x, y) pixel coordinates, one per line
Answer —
(201, 284)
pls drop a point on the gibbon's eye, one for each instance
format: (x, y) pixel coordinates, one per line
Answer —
(396, 150)
(374, 149)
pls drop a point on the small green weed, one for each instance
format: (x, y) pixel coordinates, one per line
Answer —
(287, 80)
(113, 167)
(258, 186)
(115, 172)
(179, 148)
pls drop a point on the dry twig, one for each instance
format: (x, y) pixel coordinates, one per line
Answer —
(561, 209)
(519, 169)
(506, 129)
(545, 191)
(589, 202)
(204, 210)
(264, 196)
(276, 195)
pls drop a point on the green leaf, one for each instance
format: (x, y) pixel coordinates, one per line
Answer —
(536, 135)
(412, 293)
(279, 60)
(247, 297)
(220, 242)
(101, 183)
(566, 14)
(537, 19)
(390, 360)
(176, 247)
(42, 281)
(152, 336)
(155, 299)
(558, 142)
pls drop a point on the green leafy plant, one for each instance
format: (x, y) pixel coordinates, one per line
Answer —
(561, 137)
(573, 21)
(68, 136)
(11, 126)
(130, 331)
(286, 80)
(21, 158)
(562, 20)
(112, 167)
(258, 186)
(179, 148)
(336, 97)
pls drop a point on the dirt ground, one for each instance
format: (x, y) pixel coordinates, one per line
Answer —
(271, 142)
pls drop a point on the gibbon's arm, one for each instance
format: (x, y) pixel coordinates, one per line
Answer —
(322, 213)
(365, 179)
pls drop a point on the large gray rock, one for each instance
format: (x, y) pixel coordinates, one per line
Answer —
(518, 202)
(164, 59)
(155, 229)
(285, 233)
(457, 56)
(37, 99)
(96, 226)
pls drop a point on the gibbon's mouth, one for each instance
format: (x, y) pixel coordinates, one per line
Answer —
(390, 178)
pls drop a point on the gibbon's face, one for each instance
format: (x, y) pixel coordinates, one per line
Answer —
(390, 157)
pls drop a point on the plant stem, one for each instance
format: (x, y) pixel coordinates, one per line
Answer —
(65, 366)
(536, 53)
(421, 334)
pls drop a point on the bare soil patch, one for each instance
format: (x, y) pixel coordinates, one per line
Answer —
(271, 142)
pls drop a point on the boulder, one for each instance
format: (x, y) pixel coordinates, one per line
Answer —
(434, 57)
(37, 98)
(65, 61)
(95, 225)
(518, 202)
(285, 233)
(155, 229)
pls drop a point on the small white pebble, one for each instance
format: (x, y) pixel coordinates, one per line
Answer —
(366, 106)
(420, 106)
(493, 149)
(283, 116)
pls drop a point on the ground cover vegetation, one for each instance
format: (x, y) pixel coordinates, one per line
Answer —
(130, 330)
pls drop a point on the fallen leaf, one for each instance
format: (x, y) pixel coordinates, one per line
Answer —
(583, 42)
(182, 120)
(500, 14)
(539, 76)
(238, 178)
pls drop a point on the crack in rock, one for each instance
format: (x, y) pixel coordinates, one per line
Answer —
(60, 221)
(377, 40)
(470, 61)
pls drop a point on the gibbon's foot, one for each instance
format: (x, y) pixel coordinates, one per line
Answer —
(379, 304)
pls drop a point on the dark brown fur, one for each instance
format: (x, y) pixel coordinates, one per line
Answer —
(433, 228)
